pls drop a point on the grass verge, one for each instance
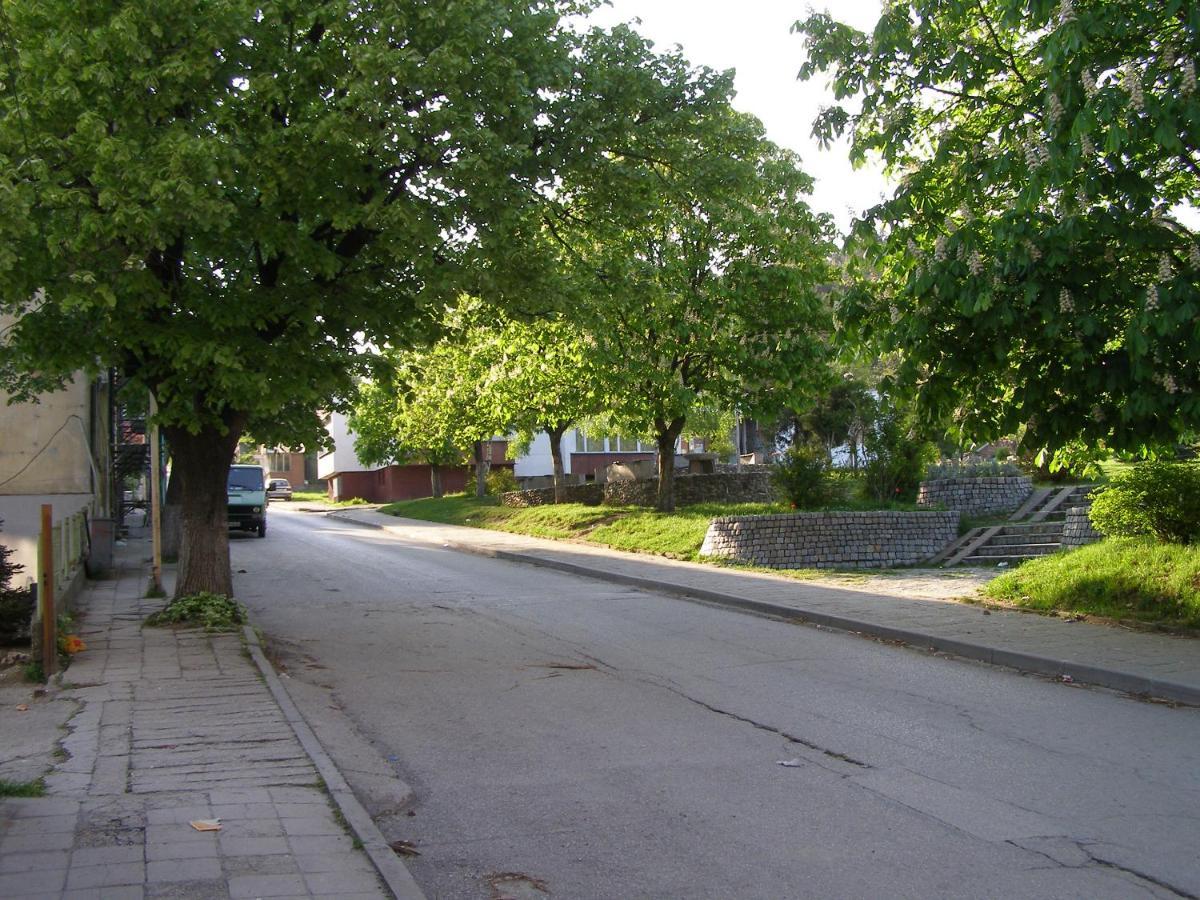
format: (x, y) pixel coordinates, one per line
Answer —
(678, 534)
(36, 788)
(322, 497)
(1132, 579)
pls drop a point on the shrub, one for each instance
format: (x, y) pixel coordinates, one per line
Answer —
(501, 481)
(212, 612)
(1156, 498)
(992, 468)
(16, 604)
(802, 477)
(897, 459)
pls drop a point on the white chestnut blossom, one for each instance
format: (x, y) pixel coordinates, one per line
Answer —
(1194, 255)
(1165, 270)
(1189, 76)
(1066, 12)
(975, 263)
(1152, 298)
(1065, 303)
(1089, 83)
(1034, 253)
(1086, 145)
(939, 248)
(1054, 110)
(1168, 383)
(1133, 87)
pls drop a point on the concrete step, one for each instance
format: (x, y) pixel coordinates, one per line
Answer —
(1012, 560)
(1026, 529)
(1018, 549)
(1018, 540)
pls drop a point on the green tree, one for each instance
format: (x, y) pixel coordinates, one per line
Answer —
(226, 199)
(1032, 265)
(712, 298)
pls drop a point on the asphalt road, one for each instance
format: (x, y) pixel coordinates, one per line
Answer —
(604, 742)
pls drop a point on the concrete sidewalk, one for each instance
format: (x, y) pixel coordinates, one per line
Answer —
(1157, 665)
(177, 726)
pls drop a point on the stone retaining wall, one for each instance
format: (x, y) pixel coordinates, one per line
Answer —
(720, 487)
(1078, 530)
(976, 496)
(829, 539)
(590, 494)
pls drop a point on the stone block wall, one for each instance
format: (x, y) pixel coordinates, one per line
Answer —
(831, 539)
(1078, 530)
(590, 494)
(720, 487)
(976, 496)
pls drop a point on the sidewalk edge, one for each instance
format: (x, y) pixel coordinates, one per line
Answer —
(1082, 673)
(393, 872)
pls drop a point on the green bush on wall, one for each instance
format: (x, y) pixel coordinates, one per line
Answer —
(501, 481)
(802, 477)
(1156, 498)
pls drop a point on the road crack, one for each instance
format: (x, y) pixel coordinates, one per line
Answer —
(771, 729)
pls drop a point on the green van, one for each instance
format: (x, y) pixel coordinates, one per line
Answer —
(247, 499)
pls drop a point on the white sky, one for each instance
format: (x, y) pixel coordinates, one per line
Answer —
(754, 38)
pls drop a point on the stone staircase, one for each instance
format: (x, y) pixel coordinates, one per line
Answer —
(1036, 529)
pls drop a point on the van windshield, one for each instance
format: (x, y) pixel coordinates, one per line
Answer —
(245, 480)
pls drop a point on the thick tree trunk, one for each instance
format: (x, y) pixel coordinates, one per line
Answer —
(560, 488)
(201, 461)
(435, 479)
(483, 462)
(172, 516)
(666, 436)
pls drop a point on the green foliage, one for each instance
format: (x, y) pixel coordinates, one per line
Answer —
(212, 612)
(1120, 578)
(801, 475)
(1030, 265)
(1153, 498)
(501, 481)
(227, 200)
(991, 468)
(34, 672)
(897, 455)
(36, 788)
(16, 604)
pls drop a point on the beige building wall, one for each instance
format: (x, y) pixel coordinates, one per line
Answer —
(44, 458)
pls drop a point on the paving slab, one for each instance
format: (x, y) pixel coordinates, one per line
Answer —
(1163, 666)
(169, 727)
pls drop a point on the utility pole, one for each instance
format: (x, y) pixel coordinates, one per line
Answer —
(155, 500)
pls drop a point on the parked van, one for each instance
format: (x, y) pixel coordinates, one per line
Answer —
(247, 492)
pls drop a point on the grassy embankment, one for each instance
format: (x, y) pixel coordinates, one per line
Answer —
(678, 534)
(322, 497)
(1128, 579)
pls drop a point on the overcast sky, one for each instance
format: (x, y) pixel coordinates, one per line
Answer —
(753, 37)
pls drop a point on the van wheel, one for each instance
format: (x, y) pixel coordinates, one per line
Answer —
(262, 528)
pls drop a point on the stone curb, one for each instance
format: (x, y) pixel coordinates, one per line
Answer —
(389, 867)
(1112, 679)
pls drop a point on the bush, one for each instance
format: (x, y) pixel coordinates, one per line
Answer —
(212, 612)
(897, 459)
(992, 468)
(16, 604)
(1156, 498)
(802, 477)
(501, 481)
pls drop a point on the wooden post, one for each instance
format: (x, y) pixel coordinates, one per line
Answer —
(155, 501)
(46, 594)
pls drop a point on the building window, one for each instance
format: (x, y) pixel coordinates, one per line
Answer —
(279, 461)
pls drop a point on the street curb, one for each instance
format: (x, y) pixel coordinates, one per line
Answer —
(393, 872)
(1081, 673)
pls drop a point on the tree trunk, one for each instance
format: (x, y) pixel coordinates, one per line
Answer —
(201, 462)
(435, 479)
(172, 516)
(560, 488)
(483, 462)
(666, 436)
